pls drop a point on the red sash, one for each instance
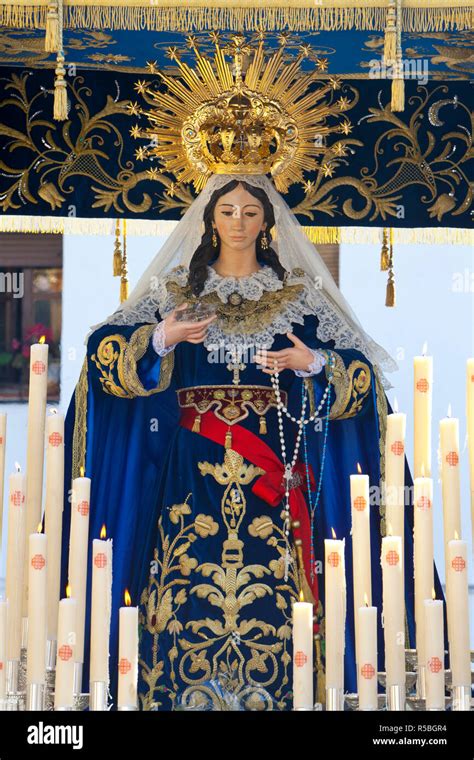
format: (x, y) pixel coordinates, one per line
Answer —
(270, 486)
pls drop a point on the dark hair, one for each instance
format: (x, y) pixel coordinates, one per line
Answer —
(206, 253)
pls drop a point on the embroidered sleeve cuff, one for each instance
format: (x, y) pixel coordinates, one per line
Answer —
(315, 367)
(158, 340)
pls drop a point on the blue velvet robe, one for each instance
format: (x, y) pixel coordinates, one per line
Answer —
(212, 636)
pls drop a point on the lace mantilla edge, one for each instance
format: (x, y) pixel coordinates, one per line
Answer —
(311, 300)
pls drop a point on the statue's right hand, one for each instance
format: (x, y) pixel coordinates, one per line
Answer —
(192, 332)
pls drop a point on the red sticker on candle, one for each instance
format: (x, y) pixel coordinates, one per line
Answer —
(360, 503)
(38, 562)
(422, 385)
(38, 368)
(100, 560)
(435, 664)
(333, 559)
(83, 508)
(452, 458)
(300, 659)
(423, 503)
(397, 448)
(124, 666)
(392, 557)
(1, 439)
(55, 439)
(17, 498)
(367, 671)
(1, 665)
(458, 564)
(65, 652)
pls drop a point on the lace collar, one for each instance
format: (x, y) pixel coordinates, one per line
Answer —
(250, 286)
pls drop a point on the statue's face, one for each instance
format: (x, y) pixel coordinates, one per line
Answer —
(238, 219)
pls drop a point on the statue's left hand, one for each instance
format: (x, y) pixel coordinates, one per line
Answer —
(297, 357)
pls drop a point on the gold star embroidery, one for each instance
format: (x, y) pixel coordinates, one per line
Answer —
(141, 154)
(346, 127)
(343, 103)
(141, 86)
(133, 109)
(328, 171)
(339, 149)
(322, 64)
(135, 131)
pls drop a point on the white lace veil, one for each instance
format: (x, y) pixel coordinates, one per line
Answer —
(337, 320)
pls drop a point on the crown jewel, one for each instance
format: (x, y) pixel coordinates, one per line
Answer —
(256, 114)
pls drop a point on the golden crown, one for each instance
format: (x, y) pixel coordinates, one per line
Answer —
(255, 114)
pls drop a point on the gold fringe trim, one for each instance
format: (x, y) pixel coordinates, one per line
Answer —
(317, 235)
(298, 15)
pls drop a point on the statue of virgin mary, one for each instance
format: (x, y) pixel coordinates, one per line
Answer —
(219, 414)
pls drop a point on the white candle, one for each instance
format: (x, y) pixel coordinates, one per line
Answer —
(393, 611)
(434, 652)
(38, 389)
(367, 665)
(361, 563)
(470, 431)
(423, 557)
(303, 697)
(54, 513)
(128, 655)
(37, 564)
(423, 401)
(457, 596)
(3, 445)
(78, 545)
(395, 474)
(335, 599)
(101, 609)
(3, 646)
(451, 488)
(64, 684)
(15, 561)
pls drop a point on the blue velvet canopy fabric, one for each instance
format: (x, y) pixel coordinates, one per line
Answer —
(212, 635)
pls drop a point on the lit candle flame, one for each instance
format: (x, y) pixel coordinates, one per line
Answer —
(395, 405)
(39, 529)
(333, 533)
(42, 339)
(366, 599)
(68, 591)
(128, 598)
(449, 410)
(359, 469)
(18, 468)
(389, 529)
(82, 471)
(425, 348)
(103, 532)
(301, 596)
(433, 594)
(456, 535)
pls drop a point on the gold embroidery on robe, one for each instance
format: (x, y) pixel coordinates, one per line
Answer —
(116, 359)
(230, 662)
(351, 387)
(80, 422)
(246, 317)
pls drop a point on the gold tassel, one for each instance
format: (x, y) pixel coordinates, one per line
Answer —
(228, 439)
(384, 255)
(52, 42)
(117, 264)
(390, 294)
(60, 90)
(320, 674)
(197, 424)
(124, 271)
(390, 41)
(263, 425)
(398, 95)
